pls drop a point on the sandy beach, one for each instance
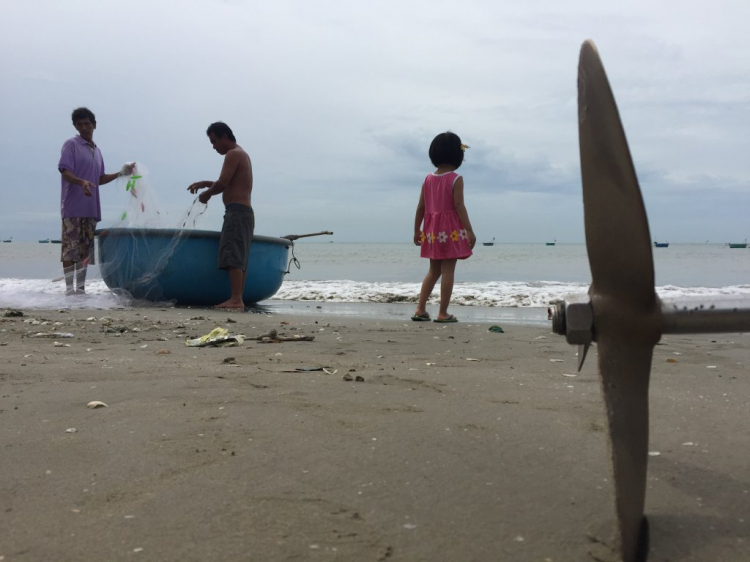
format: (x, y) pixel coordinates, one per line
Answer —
(459, 444)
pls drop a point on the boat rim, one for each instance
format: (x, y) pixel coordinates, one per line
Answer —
(172, 232)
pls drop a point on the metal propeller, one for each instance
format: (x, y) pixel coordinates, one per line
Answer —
(622, 312)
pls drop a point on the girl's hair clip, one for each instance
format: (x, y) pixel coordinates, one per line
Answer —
(464, 147)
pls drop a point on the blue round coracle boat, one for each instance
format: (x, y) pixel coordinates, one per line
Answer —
(166, 264)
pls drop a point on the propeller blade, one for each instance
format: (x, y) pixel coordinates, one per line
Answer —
(627, 320)
(625, 369)
(617, 234)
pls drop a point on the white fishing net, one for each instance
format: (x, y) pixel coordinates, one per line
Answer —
(136, 250)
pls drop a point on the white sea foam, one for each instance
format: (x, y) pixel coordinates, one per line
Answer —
(45, 294)
(505, 294)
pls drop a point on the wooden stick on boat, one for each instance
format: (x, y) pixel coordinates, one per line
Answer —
(294, 237)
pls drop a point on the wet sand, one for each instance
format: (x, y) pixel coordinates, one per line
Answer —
(431, 457)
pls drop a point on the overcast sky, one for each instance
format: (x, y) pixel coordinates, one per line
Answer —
(336, 102)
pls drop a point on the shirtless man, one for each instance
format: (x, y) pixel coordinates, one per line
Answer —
(235, 184)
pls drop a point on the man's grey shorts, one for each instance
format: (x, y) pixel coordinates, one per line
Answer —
(236, 237)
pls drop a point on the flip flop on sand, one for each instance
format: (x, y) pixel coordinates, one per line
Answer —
(421, 317)
(448, 320)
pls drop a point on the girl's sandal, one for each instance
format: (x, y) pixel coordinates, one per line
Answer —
(448, 320)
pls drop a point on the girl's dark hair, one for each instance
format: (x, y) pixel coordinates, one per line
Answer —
(221, 129)
(446, 149)
(83, 113)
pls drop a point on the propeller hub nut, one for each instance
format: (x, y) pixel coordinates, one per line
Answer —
(579, 320)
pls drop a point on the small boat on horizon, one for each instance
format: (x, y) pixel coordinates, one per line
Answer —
(44, 241)
(737, 244)
(551, 243)
(661, 244)
(9, 240)
(55, 241)
(489, 243)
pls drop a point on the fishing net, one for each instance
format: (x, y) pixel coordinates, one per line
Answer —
(137, 253)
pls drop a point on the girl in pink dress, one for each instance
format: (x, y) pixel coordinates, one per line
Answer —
(447, 235)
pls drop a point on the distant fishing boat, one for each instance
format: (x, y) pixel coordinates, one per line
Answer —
(661, 244)
(55, 241)
(737, 244)
(10, 240)
(551, 243)
(44, 241)
(489, 243)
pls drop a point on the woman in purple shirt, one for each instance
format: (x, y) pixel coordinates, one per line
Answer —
(82, 168)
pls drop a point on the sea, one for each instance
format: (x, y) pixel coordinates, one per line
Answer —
(503, 283)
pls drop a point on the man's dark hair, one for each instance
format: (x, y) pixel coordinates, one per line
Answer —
(221, 130)
(83, 113)
(446, 149)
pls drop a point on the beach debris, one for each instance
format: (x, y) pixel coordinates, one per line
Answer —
(71, 430)
(12, 313)
(58, 344)
(496, 329)
(53, 335)
(327, 372)
(96, 404)
(654, 453)
(672, 360)
(471, 359)
(231, 321)
(359, 378)
(567, 375)
(430, 364)
(163, 351)
(710, 366)
(218, 337)
(230, 360)
(347, 377)
(274, 337)
(197, 318)
(144, 346)
(557, 360)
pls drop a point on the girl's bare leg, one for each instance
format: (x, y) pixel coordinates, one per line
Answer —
(433, 274)
(447, 270)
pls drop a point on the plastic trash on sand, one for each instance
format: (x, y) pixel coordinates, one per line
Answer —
(218, 337)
